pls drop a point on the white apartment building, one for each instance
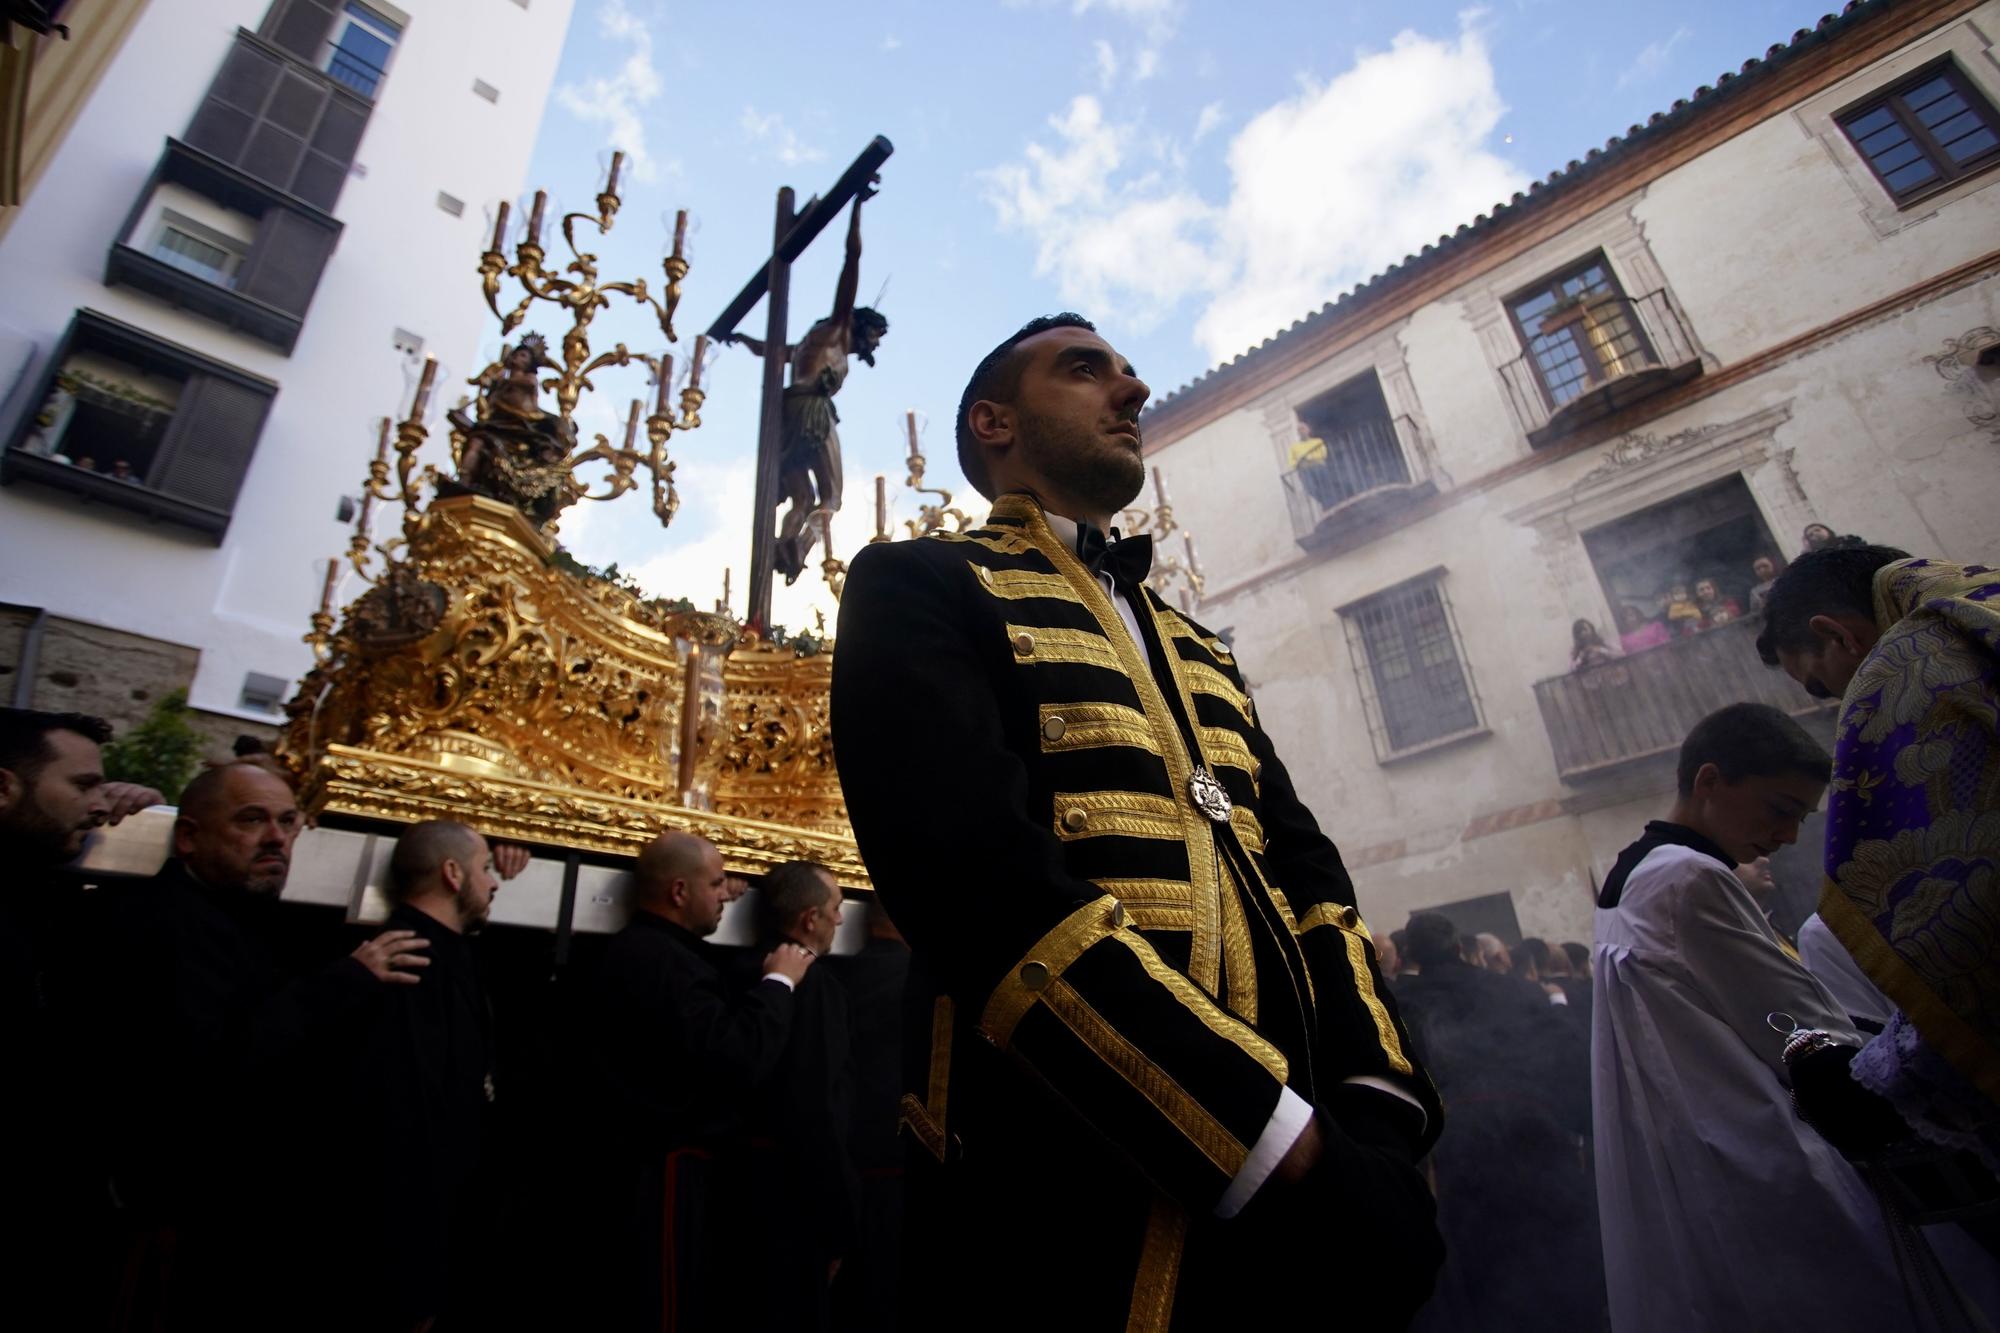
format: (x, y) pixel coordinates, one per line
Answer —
(1775, 304)
(264, 212)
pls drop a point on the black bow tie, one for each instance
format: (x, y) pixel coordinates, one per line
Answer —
(1127, 560)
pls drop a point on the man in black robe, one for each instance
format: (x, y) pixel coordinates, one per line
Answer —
(403, 1120)
(1161, 1082)
(801, 1118)
(1518, 1213)
(864, 1293)
(206, 1036)
(675, 1055)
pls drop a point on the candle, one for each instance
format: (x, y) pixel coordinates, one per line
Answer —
(694, 368)
(1194, 561)
(326, 592)
(535, 218)
(881, 505)
(500, 228)
(632, 423)
(911, 418)
(725, 589)
(680, 231)
(423, 398)
(1160, 487)
(382, 442)
(617, 162)
(666, 382)
(825, 518)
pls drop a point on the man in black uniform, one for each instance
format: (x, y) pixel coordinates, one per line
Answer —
(864, 1294)
(1162, 1084)
(676, 1055)
(801, 1117)
(207, 1038)
(400, 1130)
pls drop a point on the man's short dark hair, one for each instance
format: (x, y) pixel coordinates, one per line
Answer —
(1431, 939)
(997, 379)
(1832, 581)
(422, 851)
(1579, 954)
(24, 737)
(1750, 740)
(788, 890)
(1531, 950)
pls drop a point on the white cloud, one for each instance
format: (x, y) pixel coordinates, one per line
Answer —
(1646, 66)
(1107, 63)
(1207, 123)
(617, 101)
(1328, 187)
(892, 43)
(1157, 17)
(785, 143)
(1146, 64)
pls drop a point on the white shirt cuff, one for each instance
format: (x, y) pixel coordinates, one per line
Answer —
(1289, 1121)
(1384, 1085)
(781, 979)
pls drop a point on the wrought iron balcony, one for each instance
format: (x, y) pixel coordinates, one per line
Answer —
(1604, 717)
(1365, 472)
(1595, 356)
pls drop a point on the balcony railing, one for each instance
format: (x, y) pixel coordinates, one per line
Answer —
(1366, 471)
(354, 71)
(1632, 707)
(1596, 356)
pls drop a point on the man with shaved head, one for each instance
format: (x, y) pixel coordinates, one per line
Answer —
(409, 1099)
(211, 1030)
(677, 1052)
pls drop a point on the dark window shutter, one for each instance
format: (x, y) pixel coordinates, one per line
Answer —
(220, 130)
(207, 449)
(246, 78)
(273, 155)
(339, 132)
(296, 105)
(300, 26)
(319, 180)
(285, 263)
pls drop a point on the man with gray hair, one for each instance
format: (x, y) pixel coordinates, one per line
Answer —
(676, 1053)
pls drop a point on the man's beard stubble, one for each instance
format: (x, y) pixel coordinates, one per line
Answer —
(44, 841)
(1105, 476)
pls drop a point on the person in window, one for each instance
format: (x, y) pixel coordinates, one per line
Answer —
(1587, 648)
(1315, 467)
(1765, 568)
(1819, 537)
(1716, 609)
(1636, 633)
(1683, 612)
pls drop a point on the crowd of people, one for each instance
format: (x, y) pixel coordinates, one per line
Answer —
(1687, 607)
(1159, 1074)
(241, 1124)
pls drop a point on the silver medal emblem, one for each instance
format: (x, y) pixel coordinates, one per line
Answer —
(1208, 796)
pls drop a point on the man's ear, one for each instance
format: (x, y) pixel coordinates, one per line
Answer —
(184, 831)
(451, 871)
(991, 423)
(1706, 779)
(12, 789)
(1840, 630)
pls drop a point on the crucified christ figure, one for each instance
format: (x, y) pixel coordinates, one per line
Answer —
(809, 444)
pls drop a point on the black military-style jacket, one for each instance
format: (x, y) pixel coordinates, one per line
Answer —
(1109, 986)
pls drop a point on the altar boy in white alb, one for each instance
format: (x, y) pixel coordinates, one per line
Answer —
(1722, 1208)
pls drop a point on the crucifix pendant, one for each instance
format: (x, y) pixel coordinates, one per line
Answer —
(1207, 794)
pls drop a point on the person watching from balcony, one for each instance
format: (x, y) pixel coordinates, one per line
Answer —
(1683, 612)
(1716, 609)
(1765, 568)
(1314, 465)
(1716, 1199)
(1587, 648)
(1636, 633)
(1911, 647)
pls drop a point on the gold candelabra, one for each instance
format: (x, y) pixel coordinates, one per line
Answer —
(1182, 573)
(930, 517)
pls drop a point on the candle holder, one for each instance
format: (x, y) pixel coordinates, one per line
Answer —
(930, 517)
(1179, 573)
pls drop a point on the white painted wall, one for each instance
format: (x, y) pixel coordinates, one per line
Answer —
(1763, 239)
(401, 262)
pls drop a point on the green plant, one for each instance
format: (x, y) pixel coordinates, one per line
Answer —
(162, 752)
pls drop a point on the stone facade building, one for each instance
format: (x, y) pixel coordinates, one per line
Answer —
(249, 221)
(1775, 305)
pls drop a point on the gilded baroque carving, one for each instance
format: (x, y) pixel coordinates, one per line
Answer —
(1630, 450)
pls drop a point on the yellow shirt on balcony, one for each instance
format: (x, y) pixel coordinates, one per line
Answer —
(1308, 451)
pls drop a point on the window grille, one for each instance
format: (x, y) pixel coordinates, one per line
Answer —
(1579, 330)
(1410, 665)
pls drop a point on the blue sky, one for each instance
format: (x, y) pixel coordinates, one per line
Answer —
(1194, 175)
